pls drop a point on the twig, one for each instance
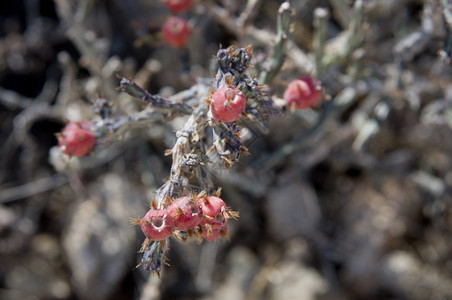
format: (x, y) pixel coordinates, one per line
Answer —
(342, 10)
(32, 188)
(155, 101)
(181, 148)
(14, 100)
(342, 100)
(447, 11)
(91, 58)
(349, 41)
(285, 14)
(248, 13)
(321, 16)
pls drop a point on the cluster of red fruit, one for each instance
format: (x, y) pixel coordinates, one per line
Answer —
(200, 215)
(175, 30)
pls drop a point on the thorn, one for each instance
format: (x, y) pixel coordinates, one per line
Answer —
(208, 228)
(244, 150)
(244, 114)
(135, 221)
(224, 234)
(231, 214)
(190, 233)
(229, 80)
(228, 160)
(202, 195)
(207, 101)
(164, 246)
(218, 192)
(153, 204)
(176, 234)
(179, 212)
(192, 196)
(168, 200)
(210, 150)
(199, 235)
(144, 245)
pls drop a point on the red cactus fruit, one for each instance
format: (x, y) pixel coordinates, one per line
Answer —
(211, 206)
(185, 213)
(303, 92)
(227, 104)
(175, 31)
(76, 139)
(157, 224)
(214, 210)
(212, 234)
(177, 6)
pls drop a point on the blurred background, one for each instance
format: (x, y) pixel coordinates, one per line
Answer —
(349, 200)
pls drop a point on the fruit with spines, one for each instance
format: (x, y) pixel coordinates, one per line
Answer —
(227, 104)
(76, 139)
(175, 31)
(157, 224)
(185, 212)
(303, 92)
(177, 6)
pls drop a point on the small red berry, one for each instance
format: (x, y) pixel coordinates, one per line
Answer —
(157, 224)
(303, 92)
(76, 139)
(185, 213)
(227, 104)
(175, 31)
(177, 6)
